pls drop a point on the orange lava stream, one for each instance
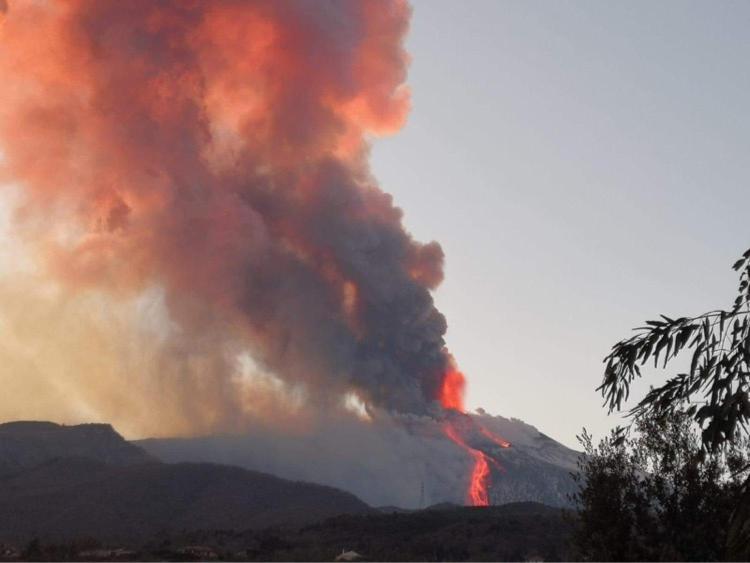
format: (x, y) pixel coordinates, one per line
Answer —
(477, 494)
(480, 477)
(452, 398)
(492, 437)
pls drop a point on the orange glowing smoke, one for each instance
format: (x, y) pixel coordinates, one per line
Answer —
(452, 390)
(219, 151)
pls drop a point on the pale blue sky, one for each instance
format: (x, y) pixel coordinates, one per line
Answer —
(584, 165)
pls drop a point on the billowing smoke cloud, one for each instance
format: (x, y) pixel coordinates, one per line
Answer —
(214, 154)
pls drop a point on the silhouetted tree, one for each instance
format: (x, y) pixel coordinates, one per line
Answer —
(654, 493)
(714, 392)
(715, 389)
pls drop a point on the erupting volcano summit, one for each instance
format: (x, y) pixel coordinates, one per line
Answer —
(217, 151)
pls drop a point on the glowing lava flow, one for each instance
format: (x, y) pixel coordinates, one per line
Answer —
(477, 494)
(493, 438)
(452, 398)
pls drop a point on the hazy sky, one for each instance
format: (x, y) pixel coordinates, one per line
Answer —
(584, 165)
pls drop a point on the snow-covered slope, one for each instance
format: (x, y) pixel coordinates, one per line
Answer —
(390, 462)
(527, 438)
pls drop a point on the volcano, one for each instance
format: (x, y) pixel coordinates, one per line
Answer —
(86, 480)
(409, 463)
(198, 174)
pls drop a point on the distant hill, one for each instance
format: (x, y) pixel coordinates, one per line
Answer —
(28, 444)
(86, 481)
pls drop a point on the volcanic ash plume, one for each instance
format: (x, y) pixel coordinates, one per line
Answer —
(213, 156)
(217, 149)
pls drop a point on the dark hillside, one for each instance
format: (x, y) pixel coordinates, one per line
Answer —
(68, 498)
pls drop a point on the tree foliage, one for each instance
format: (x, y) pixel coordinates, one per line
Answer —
(656, 494)
(714, 391)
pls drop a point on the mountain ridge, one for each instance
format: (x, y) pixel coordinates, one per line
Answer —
(25, 444)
